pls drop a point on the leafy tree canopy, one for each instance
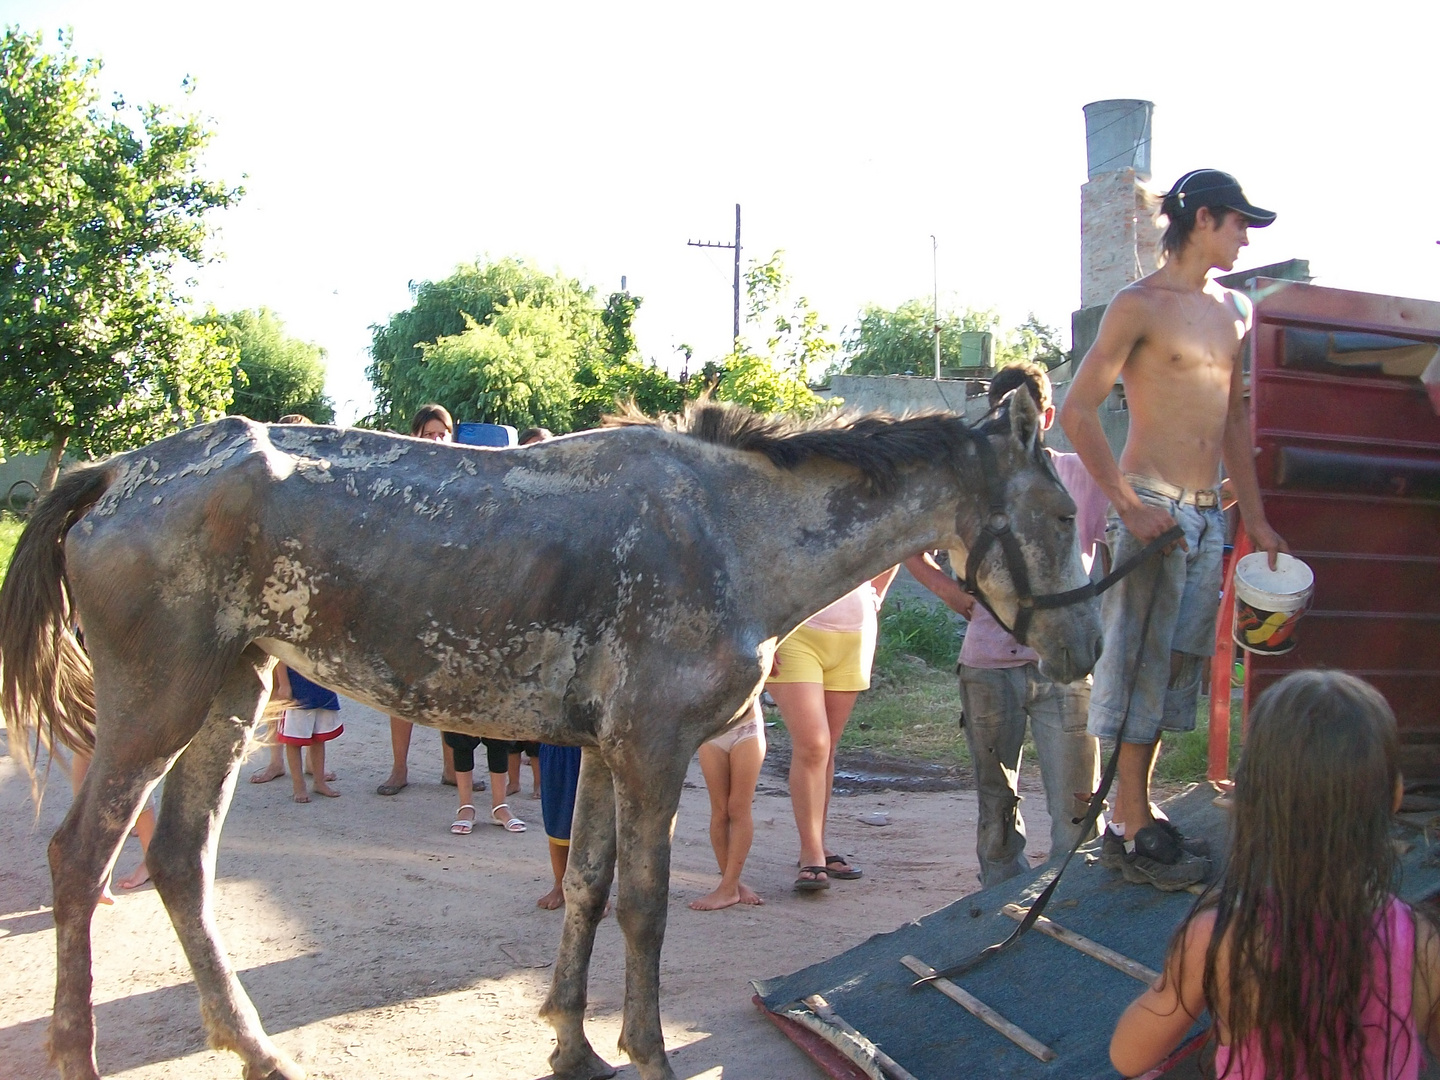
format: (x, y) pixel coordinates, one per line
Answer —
(772, 377)
(97, 215)
(276, 374)
(902, 341)
(549, 311)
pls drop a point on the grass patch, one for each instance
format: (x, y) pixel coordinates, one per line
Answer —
(916, 630)
(1184, 758)
(10, 529)
(911, 711)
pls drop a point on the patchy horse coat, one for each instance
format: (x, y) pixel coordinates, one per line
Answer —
(620, 590)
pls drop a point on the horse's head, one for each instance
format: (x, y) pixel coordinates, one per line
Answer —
(1022, 496)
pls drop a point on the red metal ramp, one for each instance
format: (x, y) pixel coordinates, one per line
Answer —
(1349, 463)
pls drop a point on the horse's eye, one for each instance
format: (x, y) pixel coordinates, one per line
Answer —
(1068, 519)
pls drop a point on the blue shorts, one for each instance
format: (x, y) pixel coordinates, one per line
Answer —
(1183, 621)
(559, 777)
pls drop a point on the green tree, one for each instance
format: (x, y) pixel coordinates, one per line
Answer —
(902, 341)
(772, 378)
(96, 218)
(275, 373)
(518, 369)
(474, 296)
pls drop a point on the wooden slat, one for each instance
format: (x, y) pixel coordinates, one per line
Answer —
(1104, 954)
(821, 1008)
(982, 1012)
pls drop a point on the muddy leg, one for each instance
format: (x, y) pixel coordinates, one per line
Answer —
(645, 817)
(82, 853)
(588, 874)
(182, 862)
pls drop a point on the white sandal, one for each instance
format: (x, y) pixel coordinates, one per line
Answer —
(462, 826)
(513, 825)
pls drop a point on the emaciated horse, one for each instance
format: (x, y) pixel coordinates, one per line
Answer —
(622, 590)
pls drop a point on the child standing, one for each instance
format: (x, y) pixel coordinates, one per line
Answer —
(731, 765)
(313, 721)
(1308, 963)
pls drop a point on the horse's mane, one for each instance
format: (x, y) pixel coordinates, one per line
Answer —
(875, 444)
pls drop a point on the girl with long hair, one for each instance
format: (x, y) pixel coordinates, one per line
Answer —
(1307, 962)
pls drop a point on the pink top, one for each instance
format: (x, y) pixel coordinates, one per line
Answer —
(849, 614)
(986, 644)
(1386, 1018)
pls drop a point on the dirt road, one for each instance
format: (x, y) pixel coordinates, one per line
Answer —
(376, 944)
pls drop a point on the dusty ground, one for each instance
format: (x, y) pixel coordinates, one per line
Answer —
(375, 944)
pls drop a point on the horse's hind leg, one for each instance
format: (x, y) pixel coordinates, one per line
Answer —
(82, 852)
(182, 863)
(588, 873)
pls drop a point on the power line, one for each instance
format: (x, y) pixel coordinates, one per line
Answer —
(735, 247)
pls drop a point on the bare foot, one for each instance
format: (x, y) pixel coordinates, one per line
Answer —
(512, 789)
(749, 896)
(301, 796)
(720, 898)
(329, 774)
(265, 775)
(553, 899)
(139, 876)
(106, 896)
(322, 788)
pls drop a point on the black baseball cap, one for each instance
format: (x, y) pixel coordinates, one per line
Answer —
(1211, 187)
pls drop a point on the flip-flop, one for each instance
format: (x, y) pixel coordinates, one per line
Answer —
(462, 826)
(846, 872)
(815, 882)
(513, 825)
(391, 789)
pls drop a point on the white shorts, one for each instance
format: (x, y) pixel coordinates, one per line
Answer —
(303, 727)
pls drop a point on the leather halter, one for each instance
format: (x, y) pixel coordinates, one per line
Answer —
(997, 530)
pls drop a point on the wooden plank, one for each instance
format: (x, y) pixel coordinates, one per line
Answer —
(821, 1008)
(982, 1012)
(1105, 955)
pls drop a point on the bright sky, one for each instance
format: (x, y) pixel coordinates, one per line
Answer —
(384, 144)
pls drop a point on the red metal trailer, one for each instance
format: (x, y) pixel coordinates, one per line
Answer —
(1348, 455)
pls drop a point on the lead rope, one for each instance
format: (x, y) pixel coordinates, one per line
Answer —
(1092, 814)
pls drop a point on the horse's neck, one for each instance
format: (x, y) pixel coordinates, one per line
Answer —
(820, 539)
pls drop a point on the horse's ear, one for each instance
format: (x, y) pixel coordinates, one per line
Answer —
(1024, 416)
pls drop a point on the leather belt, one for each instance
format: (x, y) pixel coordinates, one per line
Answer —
(1203, 499)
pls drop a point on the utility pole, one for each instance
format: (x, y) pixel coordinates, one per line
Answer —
(935, 272)
(729, 247)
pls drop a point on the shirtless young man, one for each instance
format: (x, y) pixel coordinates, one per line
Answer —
(1174, 338)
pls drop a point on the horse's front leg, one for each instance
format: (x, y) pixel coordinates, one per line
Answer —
(588, 873)
(647, 797)
(82, 851)
(182, 862)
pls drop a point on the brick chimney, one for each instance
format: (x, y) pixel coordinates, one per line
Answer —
(1119, 241)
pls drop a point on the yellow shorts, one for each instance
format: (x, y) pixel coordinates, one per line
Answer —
(836, 659)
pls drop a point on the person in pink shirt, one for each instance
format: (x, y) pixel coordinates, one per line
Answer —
(1306, 961)
(1001, 688)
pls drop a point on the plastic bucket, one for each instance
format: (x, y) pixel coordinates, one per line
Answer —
(1269, 603)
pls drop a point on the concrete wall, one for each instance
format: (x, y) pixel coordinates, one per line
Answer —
(18, 467)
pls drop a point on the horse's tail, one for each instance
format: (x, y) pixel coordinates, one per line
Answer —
(47, 687)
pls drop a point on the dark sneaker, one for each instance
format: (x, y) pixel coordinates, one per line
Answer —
(1160, 860)
(1112, 847)
(1188, 870)
(1192, 845)
(1112, 850)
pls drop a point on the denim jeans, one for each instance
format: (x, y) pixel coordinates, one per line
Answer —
(998, 702)
(1186, 585)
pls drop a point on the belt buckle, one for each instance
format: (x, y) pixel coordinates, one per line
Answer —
(1207, 500)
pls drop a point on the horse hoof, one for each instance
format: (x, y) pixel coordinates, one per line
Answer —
(284, 1069)
(587, 1066)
